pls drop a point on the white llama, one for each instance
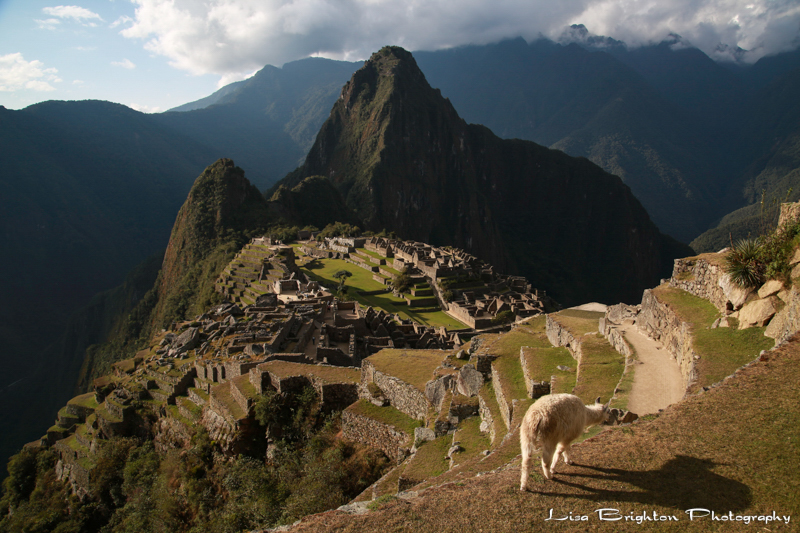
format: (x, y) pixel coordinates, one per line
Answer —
(552, 423)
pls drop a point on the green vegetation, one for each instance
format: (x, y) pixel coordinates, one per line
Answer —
(387, 415)
(134, 488)
(323, 270)
(751, 261)
(429, 461)
(601, 368)
(721, 350)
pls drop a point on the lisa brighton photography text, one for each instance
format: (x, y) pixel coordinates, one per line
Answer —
(615, 515)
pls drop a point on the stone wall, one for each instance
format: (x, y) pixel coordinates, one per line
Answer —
(536, 389)
(506, 408)
(390, 440)
(700, 277)
(617, 341)
(559, 336)
(659, 322)
(402, 396)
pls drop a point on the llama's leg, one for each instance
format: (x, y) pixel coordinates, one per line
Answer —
(566, 452)
(556, 457)
(547, 458)
(526, 464)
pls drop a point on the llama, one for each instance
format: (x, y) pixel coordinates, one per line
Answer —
(552, 423)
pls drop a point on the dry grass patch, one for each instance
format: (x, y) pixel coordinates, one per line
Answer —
(578, 322)
(331, 374)
(734, 449)
(415, 367)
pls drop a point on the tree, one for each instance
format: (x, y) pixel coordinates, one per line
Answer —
(402, 281)
(342, 276)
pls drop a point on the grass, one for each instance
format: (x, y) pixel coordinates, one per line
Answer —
(600, 369)
(543, 363)
(707, 451)
(512, 380)
(429, 461)
(322, 270)
(470, 438)
(721, 350)
(331, 374)
(415, 367)
(85, 400)
(578, 322)
(387, 415)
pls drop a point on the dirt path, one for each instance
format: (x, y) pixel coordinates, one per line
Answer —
(657, 382)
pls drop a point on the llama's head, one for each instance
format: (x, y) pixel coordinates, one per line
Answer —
(608, 413)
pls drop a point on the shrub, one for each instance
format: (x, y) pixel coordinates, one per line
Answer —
(743, 263)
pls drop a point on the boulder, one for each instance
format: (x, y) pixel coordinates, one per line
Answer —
(423, 435)
(756, 313)
(770, 288)
(736, 295)
(469, 381)
(795, 258)
(435, 390)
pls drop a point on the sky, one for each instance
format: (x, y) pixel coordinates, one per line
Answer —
(153, 55)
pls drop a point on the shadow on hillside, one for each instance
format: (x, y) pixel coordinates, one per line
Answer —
(683, 482)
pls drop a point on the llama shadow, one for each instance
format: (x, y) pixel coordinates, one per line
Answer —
(683, 482)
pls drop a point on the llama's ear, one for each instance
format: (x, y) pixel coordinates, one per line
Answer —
(598, 400)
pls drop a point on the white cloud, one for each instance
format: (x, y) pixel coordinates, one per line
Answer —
(79, 14)
(125, 63)
(233, 37)
(16, 74)
(145, 108)
(124, 19)
(47, 24)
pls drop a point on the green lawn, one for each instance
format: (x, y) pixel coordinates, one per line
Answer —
(600, 370)
(323, 270)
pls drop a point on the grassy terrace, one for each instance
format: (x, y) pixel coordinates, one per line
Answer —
(600, 370)
(322, 270)
(387, 415)
(578, 322)
(429, 461)
(544, 362)
(415, 367)
(489, 397)
(470, 438)
(85, 400)
(331, 374)
(721, 350)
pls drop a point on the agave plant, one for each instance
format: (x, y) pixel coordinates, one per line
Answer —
(743, 263)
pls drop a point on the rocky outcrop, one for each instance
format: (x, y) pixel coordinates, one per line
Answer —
(787, 321)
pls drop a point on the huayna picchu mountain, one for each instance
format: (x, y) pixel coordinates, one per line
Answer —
(405, 161)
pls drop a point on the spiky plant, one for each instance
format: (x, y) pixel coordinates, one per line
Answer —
(743, 263)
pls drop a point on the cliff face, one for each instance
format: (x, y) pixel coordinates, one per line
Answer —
(404, 160)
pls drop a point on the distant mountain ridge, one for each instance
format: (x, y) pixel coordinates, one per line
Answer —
(405, 161)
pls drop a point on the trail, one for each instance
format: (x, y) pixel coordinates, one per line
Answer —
(657, 381)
